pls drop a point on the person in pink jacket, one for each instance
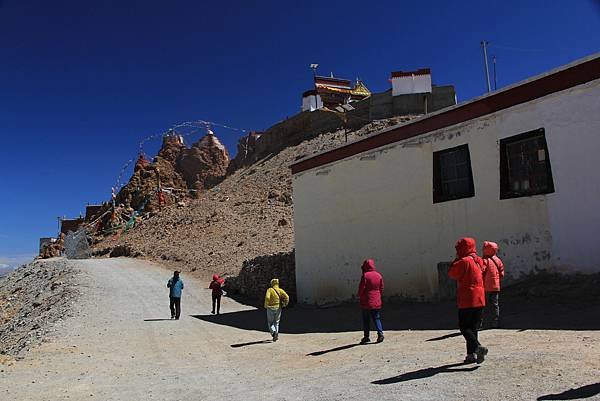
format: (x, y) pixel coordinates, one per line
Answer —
(369, 294)
(493, 272)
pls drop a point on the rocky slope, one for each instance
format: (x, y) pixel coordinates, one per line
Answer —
(249, 214)
(32, 299)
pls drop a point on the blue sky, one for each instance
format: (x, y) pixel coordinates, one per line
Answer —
(82, 82)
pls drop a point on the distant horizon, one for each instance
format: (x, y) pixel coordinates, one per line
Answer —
(8, 264)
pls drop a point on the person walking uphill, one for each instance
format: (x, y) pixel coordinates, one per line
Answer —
(275, 299)
(369, 294)
(492, 275)
(175, 285)
(467, 271)
(216, 285)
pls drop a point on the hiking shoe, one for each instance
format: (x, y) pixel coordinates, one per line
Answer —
(365, 340)
(212, 312)
(380, 338)
(481, 352)
(275, 337)
(471, 358)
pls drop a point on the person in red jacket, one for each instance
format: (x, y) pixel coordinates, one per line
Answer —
(369, 294)
(493, 272)
(216, 285)
(467, 270)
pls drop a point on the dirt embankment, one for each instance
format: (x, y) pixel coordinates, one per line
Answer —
(249, 214)
(32, 298)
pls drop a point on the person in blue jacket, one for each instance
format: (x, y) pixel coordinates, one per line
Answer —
(175, 285)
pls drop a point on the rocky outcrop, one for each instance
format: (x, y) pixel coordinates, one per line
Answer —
(53, 249)
(246, 152)
(204, 165)
(178, 170)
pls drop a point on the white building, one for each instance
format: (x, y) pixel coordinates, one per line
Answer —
(517, 166)
(408, 82)
(311, 101)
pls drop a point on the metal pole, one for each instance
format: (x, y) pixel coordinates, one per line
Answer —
(495, 80)
(315, 87)
(487, 68)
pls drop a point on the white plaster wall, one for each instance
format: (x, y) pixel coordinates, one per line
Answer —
(379, 205)
(412, 84)
(311, 102)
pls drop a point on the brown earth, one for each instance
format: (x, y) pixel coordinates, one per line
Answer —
(249, 214)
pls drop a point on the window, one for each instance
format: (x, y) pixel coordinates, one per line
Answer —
(525, 165)
(452, 176)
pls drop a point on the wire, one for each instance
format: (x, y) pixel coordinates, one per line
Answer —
(520, 49)
(183, 129)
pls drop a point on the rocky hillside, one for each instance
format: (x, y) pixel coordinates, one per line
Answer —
(32, 299)
(247, 215)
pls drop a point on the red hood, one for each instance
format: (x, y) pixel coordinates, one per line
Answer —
(368, 265)
(489, 248)
(465, 246)
(215, 277)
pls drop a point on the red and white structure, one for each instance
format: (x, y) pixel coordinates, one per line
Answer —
(409, 82)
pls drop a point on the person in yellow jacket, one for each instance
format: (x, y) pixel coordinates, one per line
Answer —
(275, 300)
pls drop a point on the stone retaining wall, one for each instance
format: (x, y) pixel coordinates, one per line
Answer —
(256, 274)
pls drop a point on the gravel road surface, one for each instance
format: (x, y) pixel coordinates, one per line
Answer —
(121, 345)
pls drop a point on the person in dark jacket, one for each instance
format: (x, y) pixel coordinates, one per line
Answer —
(216, 285)
(467, 270)
(369, 294)
(175, 286)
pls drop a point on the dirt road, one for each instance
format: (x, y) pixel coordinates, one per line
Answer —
(120, 345)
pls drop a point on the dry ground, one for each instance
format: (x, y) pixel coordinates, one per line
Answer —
(119, 346)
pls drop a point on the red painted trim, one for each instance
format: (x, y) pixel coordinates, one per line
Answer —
(420, 71)
(576, 75)
(333, 81)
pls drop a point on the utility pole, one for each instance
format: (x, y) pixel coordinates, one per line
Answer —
(487, 68)
(314, 67)
(495, 80)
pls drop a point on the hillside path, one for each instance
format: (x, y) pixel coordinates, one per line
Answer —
(121, 345)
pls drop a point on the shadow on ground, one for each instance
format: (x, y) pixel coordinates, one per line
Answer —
(336, 349)
(517, 313)
(575, 393)
(425, 373)
(251, 343)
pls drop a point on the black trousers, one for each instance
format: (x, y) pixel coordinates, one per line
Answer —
(216, 299)
(175, 306)
(468, 322)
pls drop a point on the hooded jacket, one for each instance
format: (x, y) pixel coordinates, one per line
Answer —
(216, 285)
(370, 287)
(493, 267)
(467, 270)
(275, 297)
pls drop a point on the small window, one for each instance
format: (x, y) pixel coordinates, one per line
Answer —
(525, 165)
(452, 176)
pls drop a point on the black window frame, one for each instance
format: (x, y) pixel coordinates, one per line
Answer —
(438, 195)
(505, 188)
